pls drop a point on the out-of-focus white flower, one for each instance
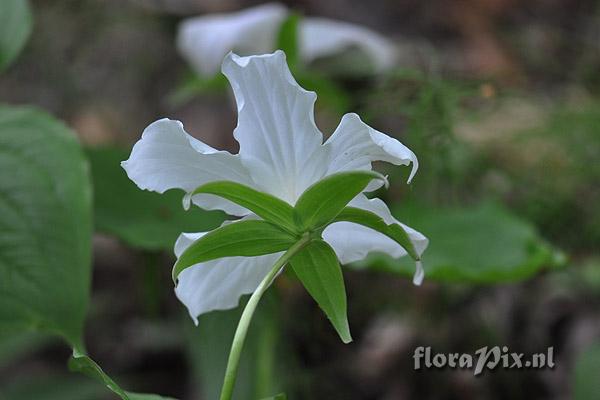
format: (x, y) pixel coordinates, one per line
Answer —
(203, 41)
(321, 37)
(281, 153)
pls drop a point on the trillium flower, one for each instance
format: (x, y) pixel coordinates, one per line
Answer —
(281, 153)
(204, 41)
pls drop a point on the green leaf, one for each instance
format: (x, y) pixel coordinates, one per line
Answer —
(324, 200)
(586, 385)
(140, 218)
(318, 269)
(85, 365)
(375, 222)
(287, 39)
(194, 85)
(243, 238)
(280, 396)
(45, 225)
(15, 28)
(331, 94)
(481, 244)
(266, 206)
(81, 363)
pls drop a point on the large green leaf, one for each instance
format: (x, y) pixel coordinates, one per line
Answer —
(45, 225)
(142, 219)
(15, 28)
(243, 238)
(318, 269)
(85, 365)
(586, 385)
(375, 222)
(479, 244)
(266, 206)
(324, 200)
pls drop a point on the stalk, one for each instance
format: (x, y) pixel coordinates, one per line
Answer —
(242, 328)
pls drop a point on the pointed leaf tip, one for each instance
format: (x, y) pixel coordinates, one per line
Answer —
(318, 269)
(325, 199)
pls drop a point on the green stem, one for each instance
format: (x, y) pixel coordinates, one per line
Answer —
(242, 328)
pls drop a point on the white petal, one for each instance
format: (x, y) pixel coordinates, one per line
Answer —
(204, 41)
(279, 142)
(353, 242)
(166, 157)
(323, 37)
(354, 145)
(218, 284)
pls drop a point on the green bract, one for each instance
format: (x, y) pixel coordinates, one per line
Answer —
(266, 206)
(243, 238)
(316, 263)
(324, 200)
(319, 271)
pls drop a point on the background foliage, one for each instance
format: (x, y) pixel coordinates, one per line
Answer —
(508, 143)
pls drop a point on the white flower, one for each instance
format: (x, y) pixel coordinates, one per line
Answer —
(320, 37)
(204, 41)
(281, 153)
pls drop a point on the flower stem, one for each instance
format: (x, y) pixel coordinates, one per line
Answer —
(242, 328)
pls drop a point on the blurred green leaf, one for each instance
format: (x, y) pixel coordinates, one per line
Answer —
(318, 269)
(85, 365)
(266, 206)
(280, 396)
(262, 363)
(287, 39)
(328, 91)
(15, 28)
(142, 219)
(586, 385)
(324, 200)
(195, 85)
(45, 225)
(479, 244)
(242, 238)
(53, 387)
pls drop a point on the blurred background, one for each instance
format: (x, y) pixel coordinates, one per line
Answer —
(499, 99)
